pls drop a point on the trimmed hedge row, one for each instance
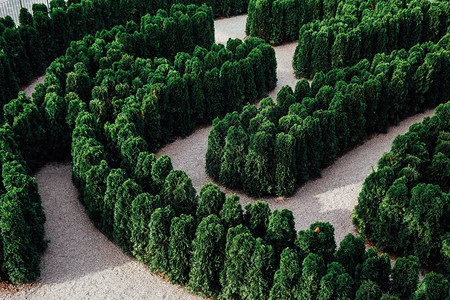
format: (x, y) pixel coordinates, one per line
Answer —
(22, 217)
(207, 243)
(290, 141)
(45, 34)
(280, 20)
(99, 73)
(404, 206)
(31, 126)
(343, 41)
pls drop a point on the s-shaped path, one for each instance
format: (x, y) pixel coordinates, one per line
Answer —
(81, 263)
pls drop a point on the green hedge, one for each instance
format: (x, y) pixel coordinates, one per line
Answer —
(403, 206)
(343, 41)
(44, 35)
(21, 215)
(292, 140)
(34, 127)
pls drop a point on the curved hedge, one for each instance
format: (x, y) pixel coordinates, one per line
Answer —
(280, 20)
(345, 40)
(44, 35)
(404, 205)
(21, 215)
(136, 103)
(30, 125)
(291, 140)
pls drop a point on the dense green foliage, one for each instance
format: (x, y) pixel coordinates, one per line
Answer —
(402, 206)
(362, 32)
(21, 215)
(290, 141)
(44, 35)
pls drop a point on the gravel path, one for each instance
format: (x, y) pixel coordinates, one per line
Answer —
(81, 263)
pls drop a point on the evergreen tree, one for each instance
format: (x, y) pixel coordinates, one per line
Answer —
(336, 284)
(259, 166)
(231, 212)
(350, 253)
(257, 217)
(303, 53)
(426, 210)
(182, 231)
(179, 193)
(285, 173)
(160, 170)
(302, 90)
(281, 230)
(320, 52)
(213, 95)
(376, 268)
(319, 239)
(314, 149)
(232, 170)
(286, 282)
(211, 201)
(314, 268)
(301, 163)
(405, 276)
(126, 193)
(157, 256)
(95, 189)
(208, 250)
(20, 259)
(142, 209)
(259, 275)
(365, 214)
(143, 171)
(329, 138)
(237, 262)
(216, 143)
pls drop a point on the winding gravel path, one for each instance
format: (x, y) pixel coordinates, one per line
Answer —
(81, 263)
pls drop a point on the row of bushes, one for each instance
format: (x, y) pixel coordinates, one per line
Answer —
(154, 212)
(77, 72)
(33, 128)
(21, 215)
(209, 244)
(404, 206)
(340, 42)
(279, 20)
(153, 93)
(45, 34)
(273, 149)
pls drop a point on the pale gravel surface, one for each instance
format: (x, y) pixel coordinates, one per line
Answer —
(81, 263)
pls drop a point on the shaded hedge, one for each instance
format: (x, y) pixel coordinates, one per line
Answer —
(345, 40)
(45, 34)
(291, 140)
(404, 205)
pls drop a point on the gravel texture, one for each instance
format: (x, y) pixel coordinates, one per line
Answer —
(81, 263)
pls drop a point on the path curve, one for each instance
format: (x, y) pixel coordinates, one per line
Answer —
(81, 263)
(330, 198)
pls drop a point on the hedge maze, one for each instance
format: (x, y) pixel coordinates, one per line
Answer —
(121, 83)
